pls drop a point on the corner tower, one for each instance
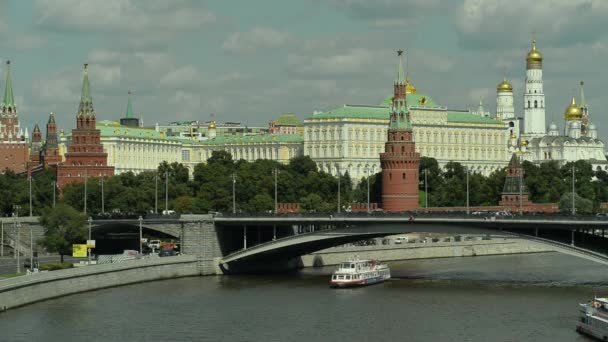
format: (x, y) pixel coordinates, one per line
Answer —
(400, 161)
(534, 96)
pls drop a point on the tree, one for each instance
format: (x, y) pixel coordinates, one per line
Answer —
(302, 165)
(583, 205)
(64, 226)
(183, 204)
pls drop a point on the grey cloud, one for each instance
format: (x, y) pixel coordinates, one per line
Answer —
(256, 38)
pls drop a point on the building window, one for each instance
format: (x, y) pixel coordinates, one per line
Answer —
(528, 104)
(186, 155)
(535, 104)
(404, 175)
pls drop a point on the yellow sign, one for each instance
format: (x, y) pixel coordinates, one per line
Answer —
(79, 251)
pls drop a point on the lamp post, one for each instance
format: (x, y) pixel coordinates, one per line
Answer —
(17, 237)
(85, 194)
(30, 181)
(31, 249)
(90, 221)
(156, 193)
(234, 193)
(103, 204)
(54, 184)
(573, 192)
(368, 208)
(2, 239)
(426, 191)
(140, 234)
(467, 170)
(339, 190)
(167, 192)
(276, 203)
(521, 190)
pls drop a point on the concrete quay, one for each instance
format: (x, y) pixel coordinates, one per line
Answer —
(27, 289)
(429, 250)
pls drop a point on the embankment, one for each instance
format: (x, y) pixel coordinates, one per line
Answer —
(24, 290)
(407, 251)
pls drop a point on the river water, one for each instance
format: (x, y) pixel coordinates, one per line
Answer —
(530, 297)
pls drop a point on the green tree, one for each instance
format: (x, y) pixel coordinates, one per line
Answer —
(583, 205)
(183, 204)
(64, 226)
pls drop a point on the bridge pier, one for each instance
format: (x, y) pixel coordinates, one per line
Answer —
(200, 238)
(572, 240)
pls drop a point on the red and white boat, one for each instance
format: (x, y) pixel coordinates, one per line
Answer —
(360, 272)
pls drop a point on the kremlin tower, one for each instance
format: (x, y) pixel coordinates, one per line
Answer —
(14, 147)
(85, 156)
(400, 161)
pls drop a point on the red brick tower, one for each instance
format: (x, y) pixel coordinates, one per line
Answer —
(50, 154)
(36, 147)
(85, 156)
(13, 146)
(514, 193)
(400, 161)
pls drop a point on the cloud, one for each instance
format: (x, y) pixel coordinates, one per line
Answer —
(388, 13)
(490, 24)
(121, 15)
(185, 76)
(257, 38)
(345, 63)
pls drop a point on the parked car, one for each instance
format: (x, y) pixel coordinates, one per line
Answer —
(167, 252)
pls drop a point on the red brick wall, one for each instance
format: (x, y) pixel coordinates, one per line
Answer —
(14, 157)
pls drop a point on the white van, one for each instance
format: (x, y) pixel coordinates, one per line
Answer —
(401, 239)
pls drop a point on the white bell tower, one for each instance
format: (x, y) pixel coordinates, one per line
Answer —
(534, 96)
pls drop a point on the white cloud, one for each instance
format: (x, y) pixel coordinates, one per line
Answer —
(354, 61)
(185, 76)
(257, 38)
(121, 15)
(491, 24)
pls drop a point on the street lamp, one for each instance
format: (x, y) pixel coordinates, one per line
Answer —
(140, 234)
(90, 220)
(85, 194)
(426, 191)
(167, 192)
(521, 190)
(339, 181)
(573, 192)
(467, 171)
(54, 184)
(156, 192)
(234, 194)
(30, 181)
(17, 237)
(368, 208)
(103, 204)
(276, 206)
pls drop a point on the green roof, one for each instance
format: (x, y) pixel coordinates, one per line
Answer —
(355, 112)
(413, 100)
(467, 117)
(112, 129)
(254, 139)
(86, 100)
(288, 119)
(9, 101)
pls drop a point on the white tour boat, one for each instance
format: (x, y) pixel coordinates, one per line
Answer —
(593, 319)
(360, 272)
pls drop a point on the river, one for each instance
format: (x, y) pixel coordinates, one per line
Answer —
(530, 297)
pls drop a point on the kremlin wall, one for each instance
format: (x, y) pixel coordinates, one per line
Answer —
(360, 139)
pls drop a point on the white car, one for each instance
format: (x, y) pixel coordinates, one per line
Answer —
(154, 244)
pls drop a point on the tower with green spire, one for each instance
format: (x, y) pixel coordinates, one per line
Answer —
(14, 148)
(129, 120)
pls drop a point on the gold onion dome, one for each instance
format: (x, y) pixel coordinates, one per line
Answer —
(504, 86)
(573, 112)
(534, 56)
(211, 125)
(409, 87)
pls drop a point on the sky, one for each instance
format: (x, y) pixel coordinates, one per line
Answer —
(250, 61)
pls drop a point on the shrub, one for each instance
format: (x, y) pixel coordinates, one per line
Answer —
(56, 266)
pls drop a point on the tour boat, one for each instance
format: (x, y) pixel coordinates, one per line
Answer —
(360, 272)
(593, 319)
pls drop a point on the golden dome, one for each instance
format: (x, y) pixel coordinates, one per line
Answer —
(524, 143)
(504, 86)
(211, 125)
(573, 112)
(409, 87)
(534, 56)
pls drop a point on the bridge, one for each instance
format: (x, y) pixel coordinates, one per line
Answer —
(563, 233)
(237, 242)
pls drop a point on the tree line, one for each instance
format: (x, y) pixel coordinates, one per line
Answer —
(211, 187)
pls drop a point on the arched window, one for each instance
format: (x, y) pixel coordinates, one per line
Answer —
(528, 104)
(535, 104)
(511, 124)
(404, 175)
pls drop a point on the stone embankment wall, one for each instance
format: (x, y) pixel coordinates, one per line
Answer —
(24, 290)
(407, 251)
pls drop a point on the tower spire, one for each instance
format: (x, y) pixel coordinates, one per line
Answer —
(129, 113)
(583, 102)
(400, 78)
(86, 101)
(8, 101)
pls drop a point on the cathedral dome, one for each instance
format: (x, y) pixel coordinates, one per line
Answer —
(553, 127)
(211, 125)
(534, 56)
(573, 112)
(504, 86)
